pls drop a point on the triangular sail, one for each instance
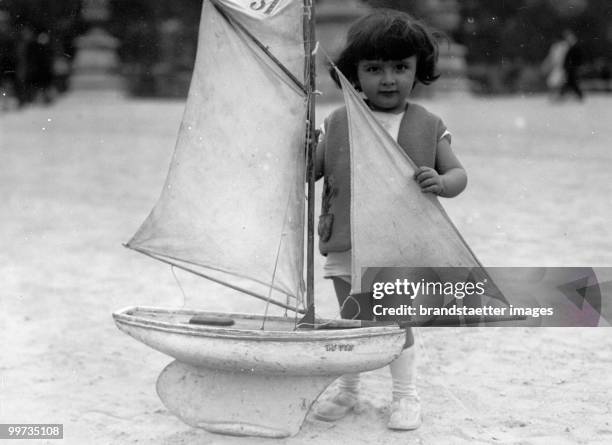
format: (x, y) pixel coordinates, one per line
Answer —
(232, 208)
(400, 226)
(257, 9)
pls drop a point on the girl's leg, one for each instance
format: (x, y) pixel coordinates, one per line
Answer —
(406, 406)
(349, 309)
(357, 307)
(403, 375)
(348, 385)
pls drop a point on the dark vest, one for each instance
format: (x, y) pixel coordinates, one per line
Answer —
(419, 134)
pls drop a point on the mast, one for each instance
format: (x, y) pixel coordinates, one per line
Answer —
(310, 75)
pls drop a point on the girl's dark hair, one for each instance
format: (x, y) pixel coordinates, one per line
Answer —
(388, 34)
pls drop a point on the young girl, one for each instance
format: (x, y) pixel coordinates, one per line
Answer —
(387, 53)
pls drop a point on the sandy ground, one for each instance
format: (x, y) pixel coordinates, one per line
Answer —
(77, 178)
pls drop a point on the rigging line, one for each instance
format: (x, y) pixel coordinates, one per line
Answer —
(178, 261)
(326, 55)
(216, 280)
(350, 297)
(236, 24)
(280, 243)
(179, 285)
(331, 321)
(295, 319)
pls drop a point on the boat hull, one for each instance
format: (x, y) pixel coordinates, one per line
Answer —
(242, 380)
(277, 350)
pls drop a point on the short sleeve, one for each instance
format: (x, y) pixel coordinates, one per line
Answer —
(443, 132)
(447, 134)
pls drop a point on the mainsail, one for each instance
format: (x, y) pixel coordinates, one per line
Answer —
(400, 226)
(232, 207)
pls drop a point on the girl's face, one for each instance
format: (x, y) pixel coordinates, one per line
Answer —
(387, 83)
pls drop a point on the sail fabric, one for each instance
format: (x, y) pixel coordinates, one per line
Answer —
(393, 224)
(258, 9)
(232, 207)
(277, 24)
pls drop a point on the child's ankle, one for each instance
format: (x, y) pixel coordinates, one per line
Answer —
(349, 383)
(412, 395)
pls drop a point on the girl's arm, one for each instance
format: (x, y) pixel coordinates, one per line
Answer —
(448, 179)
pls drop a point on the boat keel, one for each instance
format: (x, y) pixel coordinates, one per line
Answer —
(240, 403)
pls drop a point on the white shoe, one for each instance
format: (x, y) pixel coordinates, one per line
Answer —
(405, 414)
(337, 407)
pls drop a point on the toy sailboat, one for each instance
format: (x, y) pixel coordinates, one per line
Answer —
(232, 211)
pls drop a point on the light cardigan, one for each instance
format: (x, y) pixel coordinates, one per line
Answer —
(419, 134)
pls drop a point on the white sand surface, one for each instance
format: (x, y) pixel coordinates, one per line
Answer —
(77, 179)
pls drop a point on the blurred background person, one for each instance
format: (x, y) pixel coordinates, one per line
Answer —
(34, 65)
(8, 59)
(571, 66)
(553, 67)
(64, 51)
(25, 61)
(41, 68)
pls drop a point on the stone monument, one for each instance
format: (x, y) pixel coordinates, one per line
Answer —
(96, 65)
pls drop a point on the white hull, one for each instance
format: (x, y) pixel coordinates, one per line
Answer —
(237, 403)
(246, 381)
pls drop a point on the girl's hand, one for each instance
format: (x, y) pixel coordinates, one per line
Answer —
(429, 180)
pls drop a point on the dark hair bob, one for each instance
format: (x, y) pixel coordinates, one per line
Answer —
(387, 34)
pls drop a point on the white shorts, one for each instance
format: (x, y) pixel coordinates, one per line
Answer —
(338, 265)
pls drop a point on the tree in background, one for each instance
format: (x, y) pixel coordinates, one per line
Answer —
(44, 32)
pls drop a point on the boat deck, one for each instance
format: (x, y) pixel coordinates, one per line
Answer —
(240, 321)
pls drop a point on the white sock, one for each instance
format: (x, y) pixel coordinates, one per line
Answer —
(349, 383)
(403, 374)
